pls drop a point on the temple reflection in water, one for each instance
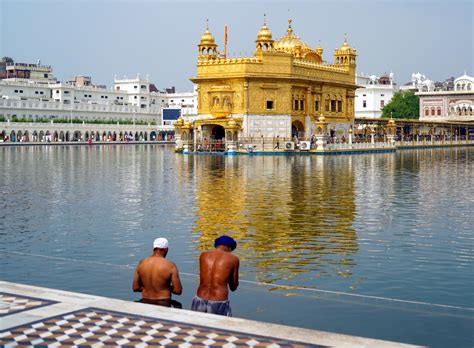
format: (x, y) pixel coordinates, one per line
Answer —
(291, 216)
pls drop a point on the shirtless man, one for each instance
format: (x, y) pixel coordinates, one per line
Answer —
(219, 268)
(157, 278)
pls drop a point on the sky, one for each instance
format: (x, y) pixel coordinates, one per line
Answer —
(104, 38)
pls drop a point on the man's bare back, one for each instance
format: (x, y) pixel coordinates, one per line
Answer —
(218, 269)
(156, 277)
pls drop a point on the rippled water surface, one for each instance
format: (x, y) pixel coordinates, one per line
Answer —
(376, 245)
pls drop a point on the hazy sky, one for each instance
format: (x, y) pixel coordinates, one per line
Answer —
(159, 38)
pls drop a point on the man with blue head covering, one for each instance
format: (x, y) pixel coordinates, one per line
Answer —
(219, 271)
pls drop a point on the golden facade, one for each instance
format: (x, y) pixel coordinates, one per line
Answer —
(279, 91)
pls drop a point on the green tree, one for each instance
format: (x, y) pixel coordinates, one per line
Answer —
(404, 104)
(8, 60)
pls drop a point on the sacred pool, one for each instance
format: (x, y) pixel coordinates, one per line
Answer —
(375, 245)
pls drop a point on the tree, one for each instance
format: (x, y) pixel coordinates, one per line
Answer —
(8, 60)
(404, 104)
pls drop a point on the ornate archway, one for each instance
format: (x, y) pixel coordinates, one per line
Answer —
(297, 129)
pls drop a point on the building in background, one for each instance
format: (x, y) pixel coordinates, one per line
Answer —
(30, 92)
(375, 93)
(418, 83)
(449, 105)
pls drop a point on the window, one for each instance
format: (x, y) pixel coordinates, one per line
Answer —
(364, 103)
(143, 87)
(57, 91)
(36, 92)
(301, 105)
(296, 104)
(45, 76)
(135, 97)
(363, 95)
(427, 112)
(382, 95)
(66, 92)
(135, 86)
(339, 106)
(21, 91)
(432, 112)
(439, 112)
(269, 104)
(382, 103)
(16, 91)
(333, 106)
(326, 107)
(316, 105)
(41, 92)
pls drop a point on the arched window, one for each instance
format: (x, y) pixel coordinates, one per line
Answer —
(427, 112)
(209, 51)
(265, 46)
(226, 101)
(215, 101)
(432, 111)
(203, 51)
(439, 111)
(468, 86)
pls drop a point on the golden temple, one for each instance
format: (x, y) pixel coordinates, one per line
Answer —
(283, 90)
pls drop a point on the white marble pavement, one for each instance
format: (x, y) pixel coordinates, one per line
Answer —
(35, 316)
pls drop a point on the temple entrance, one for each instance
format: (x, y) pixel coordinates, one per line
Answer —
(218, 133)
(297, 130)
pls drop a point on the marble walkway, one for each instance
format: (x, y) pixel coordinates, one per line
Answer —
(41, 317)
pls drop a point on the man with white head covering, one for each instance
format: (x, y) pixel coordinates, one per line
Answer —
(157, 278)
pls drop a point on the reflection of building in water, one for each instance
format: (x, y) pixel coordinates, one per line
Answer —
(290, 215)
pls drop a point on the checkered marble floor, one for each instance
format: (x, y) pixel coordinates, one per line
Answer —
(98, 327)
(11, 304)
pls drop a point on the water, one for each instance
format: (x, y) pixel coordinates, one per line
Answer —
(375, 245)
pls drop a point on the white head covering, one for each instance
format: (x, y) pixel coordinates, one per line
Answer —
(160, 243)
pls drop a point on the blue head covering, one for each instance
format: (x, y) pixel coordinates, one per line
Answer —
(226, 241)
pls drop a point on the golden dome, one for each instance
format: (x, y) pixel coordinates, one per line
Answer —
(207, 38)
(322, 119)
(345, 46)
(264, 34)
(179, 122)
(289, 42)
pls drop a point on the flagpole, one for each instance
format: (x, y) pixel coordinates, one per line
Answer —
(225, 41)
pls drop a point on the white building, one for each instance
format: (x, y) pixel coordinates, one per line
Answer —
(456, 105)
(419, 83)
(374, 94)
(134, 99)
